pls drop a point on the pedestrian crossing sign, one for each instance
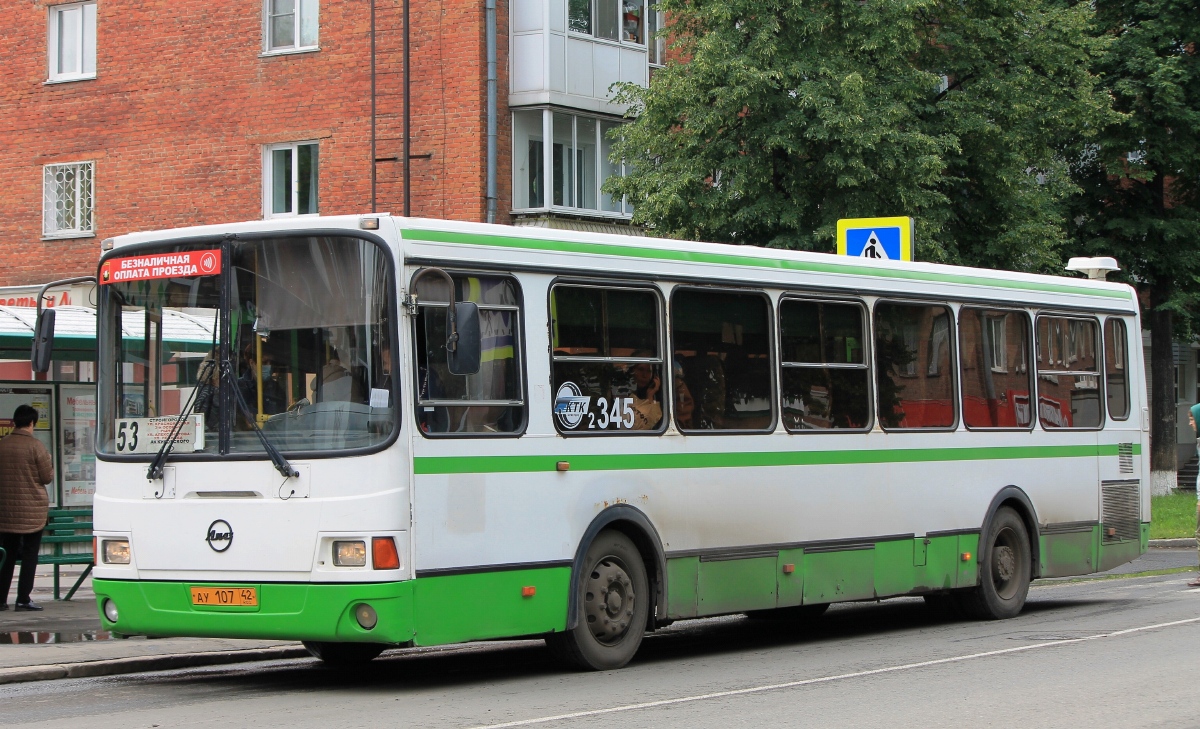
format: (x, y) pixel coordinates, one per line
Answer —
(889, 239)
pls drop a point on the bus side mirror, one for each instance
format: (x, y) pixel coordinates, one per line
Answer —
(464, 358)
(43, 341)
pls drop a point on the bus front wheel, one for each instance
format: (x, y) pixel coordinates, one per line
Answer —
(612, 605)
(344, 654)
(1005, 571)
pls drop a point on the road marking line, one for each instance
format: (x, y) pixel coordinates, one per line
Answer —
(828, 679)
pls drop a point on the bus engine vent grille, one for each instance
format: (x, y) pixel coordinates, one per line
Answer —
(1125, 457)
(1121, 515)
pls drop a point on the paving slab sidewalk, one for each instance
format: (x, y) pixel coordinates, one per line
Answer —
(65, 640)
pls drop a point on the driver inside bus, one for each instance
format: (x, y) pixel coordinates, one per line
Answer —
(274, 398)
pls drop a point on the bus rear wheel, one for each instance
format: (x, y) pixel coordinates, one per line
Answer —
(344, 654)
(612, 607)
(1005, 571)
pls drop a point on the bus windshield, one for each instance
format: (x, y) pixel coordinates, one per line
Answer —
(305, 351)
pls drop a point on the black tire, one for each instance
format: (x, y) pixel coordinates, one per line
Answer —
(344, 654)
(613, 607)
(1005, 568)
(794, 613)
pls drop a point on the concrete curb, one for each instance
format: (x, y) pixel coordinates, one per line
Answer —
(1183, 542)
(138, 664)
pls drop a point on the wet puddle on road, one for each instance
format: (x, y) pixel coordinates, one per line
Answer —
(26, 637)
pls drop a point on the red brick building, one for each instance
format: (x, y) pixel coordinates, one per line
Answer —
(127, 115)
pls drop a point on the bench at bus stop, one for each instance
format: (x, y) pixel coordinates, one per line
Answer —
(62, 528)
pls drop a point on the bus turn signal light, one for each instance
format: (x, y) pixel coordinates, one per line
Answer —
(966, 556)
(528, 591)
(383, 553)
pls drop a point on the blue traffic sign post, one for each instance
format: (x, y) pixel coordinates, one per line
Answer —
(888, 239)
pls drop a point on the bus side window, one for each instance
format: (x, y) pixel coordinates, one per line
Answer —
(491, 401)
(607, 360)
(1116, 368)
(913, 370)
(1068, 373)
(825, 383)
(722, 347)
(994, 365)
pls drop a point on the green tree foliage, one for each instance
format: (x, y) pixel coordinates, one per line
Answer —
(789, 114)
(1141, 181)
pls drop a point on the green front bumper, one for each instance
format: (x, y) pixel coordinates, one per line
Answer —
(423, 611)
(323, 612)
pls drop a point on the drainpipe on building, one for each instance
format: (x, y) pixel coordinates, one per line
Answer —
(373, 162)
(490, 17)
(407, 119)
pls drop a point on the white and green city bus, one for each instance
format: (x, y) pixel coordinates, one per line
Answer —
(418, 432)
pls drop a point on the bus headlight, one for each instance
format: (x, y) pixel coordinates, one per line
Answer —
(116, 551)
(350, 554)
(110, 611)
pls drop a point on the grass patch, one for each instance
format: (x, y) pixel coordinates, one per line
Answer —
(1057, 581)
(1173, 515)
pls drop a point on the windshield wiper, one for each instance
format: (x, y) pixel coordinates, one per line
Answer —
(281, 463)
(155, 471)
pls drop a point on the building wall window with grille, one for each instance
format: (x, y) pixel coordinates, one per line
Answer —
(290, 180)
(567, 174)
(289, 26)
(68, 200)
(71, 42)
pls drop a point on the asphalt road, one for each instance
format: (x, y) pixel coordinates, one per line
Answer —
(1118, 652)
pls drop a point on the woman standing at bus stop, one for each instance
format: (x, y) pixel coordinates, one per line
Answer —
(25, 469)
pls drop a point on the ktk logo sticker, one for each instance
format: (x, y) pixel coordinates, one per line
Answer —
(220, 535)
(570, 405)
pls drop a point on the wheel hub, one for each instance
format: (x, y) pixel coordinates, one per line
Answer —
(1005, 565)
(609, 601)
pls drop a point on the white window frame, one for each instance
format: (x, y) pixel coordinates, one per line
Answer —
(269, 179)
(655, 46)
(593, 7)
(84, 191)
(85, 43)
(939, 337)
(297, 46)
(998, 332)
(626, 211)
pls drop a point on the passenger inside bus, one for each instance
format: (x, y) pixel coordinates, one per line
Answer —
(685, 406)
(274, 399)
(647, 395)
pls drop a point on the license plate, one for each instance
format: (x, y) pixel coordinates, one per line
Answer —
(219, 596)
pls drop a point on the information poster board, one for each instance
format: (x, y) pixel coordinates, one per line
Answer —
(41, 398)
(77, 428)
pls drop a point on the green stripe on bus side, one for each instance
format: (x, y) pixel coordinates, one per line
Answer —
(437, 465)
(729, 259)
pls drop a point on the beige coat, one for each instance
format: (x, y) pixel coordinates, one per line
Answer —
(25, 468)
